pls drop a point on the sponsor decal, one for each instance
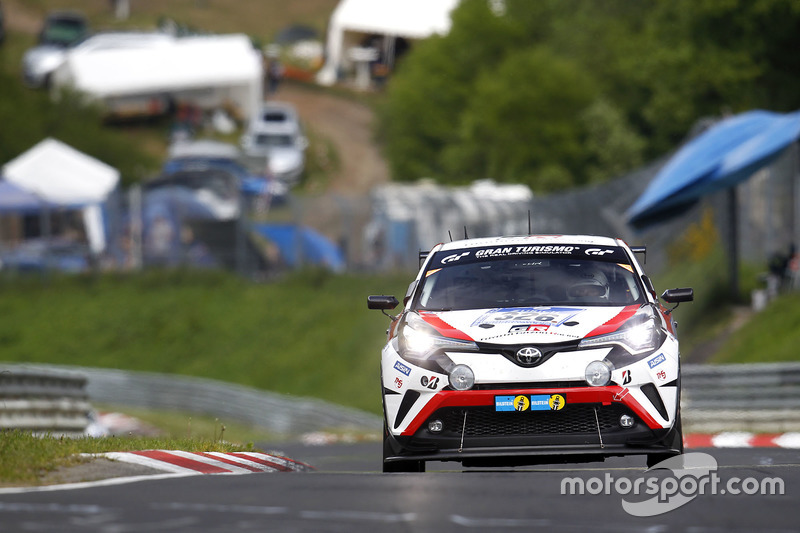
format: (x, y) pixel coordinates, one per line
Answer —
(661, 375)
(535, 402)
(454, 257)
(524, 250)
(557, 402)
(403, 369)
(657, 360)
(528, 328)
(504, 403)
(521, 403)
(598, 251)
(429, 382)
(527, 317)
(626, 377)
(398, 383)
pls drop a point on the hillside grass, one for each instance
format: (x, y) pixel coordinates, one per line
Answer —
(772, 335)
(309, 334)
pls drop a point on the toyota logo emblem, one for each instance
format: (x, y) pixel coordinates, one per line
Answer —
(528, 355)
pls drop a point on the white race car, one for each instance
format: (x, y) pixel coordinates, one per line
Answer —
(526, 350)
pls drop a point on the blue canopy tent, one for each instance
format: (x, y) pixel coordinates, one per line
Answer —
(299, 245)
(15, 199)
(718, 159)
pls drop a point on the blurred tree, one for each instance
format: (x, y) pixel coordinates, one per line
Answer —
(555, 93)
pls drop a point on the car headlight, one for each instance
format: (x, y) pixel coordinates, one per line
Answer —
(419, 340)
(638, 335)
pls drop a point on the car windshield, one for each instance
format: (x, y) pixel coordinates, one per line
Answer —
(265, 139)
(63, 32)
(528, 281)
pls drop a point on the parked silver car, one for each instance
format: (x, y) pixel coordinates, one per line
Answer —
(61, 30)
(276, 136)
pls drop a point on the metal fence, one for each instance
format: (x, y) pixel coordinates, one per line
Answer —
(754, 397)
(282, 414)
(43, 400)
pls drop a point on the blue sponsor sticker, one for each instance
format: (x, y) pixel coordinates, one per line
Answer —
(540, 402)
(657, 360)
(504, 403)
(403, 369)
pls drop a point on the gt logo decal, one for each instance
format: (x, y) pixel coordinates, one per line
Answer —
(429, 382)
(557, 402)
(598, 251)
(454, 257)
(521, 403)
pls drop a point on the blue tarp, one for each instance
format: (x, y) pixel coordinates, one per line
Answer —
(725, 155)
(14, 199)
(302, 245)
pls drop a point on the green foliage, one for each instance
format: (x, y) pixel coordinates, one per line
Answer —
(310, 334)
(770, 336)
(557, 93)
(29, 116)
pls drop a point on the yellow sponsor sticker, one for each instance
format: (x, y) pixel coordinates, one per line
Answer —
(521, 403)
(557, 402)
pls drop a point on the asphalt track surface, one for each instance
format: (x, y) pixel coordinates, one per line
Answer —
(347, 493)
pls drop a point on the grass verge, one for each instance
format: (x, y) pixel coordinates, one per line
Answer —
(28, 458)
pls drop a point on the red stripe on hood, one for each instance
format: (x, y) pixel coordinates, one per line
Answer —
(443, 327)
(614, 324)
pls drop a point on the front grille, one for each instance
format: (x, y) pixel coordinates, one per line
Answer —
(484, 422)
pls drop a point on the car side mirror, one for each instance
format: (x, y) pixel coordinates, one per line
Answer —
(676, 296)
(383, 303)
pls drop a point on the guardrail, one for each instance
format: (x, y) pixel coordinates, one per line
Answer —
(753, 397)
(43, 401)
(282, 414)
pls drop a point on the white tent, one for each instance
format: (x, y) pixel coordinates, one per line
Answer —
(411, 19)
(208, 70)
(61, 175)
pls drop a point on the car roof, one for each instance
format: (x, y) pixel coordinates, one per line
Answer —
(591, 240)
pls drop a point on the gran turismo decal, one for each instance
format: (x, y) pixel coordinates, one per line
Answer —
(524, 250)
(403, 369)
(657, 360)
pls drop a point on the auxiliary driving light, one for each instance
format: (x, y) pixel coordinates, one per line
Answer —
(462, 377)
(598, 373)
(435, 426)
(626, 421)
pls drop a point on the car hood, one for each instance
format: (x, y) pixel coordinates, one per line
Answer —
(534, 325)
(45, 53)
(283, 159)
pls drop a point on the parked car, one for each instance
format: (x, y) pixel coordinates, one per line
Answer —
(61, 29)
(276, 136)
(527, 350)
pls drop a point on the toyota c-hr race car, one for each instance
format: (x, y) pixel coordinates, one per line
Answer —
(526, 350)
